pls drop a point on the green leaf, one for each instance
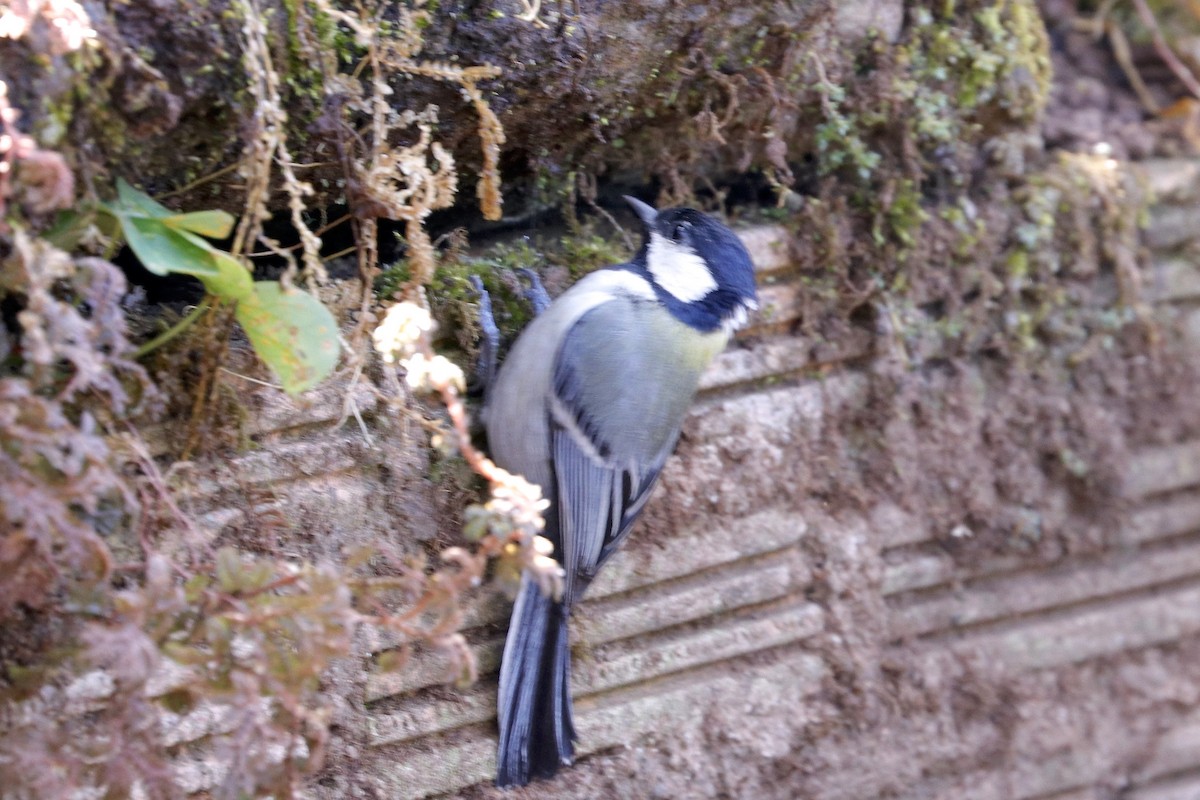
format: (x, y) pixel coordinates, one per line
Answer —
(214, 224)
(257, 574)
(195, 587)
(292, 332)
(134, 202)
(232, 281)
(228, 568)
(68, 229)
(166, 242)
(162, 250)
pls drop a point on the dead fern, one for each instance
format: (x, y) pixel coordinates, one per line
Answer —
(54, 465)
(407, 183)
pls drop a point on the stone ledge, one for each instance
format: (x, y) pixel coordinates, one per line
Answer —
(1174, 280)
(1183, 788)
(1163, 469)
(768, 246)
(1101, 631)
(448, 765)
(1172, 180)
(993, 600)
(1174, 753)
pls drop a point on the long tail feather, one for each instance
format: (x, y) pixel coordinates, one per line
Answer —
(537, 731)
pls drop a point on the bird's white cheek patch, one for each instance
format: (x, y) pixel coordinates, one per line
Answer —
(677, 269)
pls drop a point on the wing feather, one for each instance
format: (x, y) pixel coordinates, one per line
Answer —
(610, 436)
(597, 506)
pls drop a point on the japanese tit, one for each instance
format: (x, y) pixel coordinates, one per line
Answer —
(588, 405)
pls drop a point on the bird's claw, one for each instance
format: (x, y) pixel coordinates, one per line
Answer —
(536, 294)
(489, 344)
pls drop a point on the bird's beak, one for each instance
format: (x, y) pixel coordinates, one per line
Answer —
(644, 210)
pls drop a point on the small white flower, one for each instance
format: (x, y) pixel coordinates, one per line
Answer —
(519, 500)
(402, 327)
(435, 373)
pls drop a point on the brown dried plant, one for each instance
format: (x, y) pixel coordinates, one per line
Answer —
(43, 181)
(55, 466)
(407, 182)
(266, 149)
(62, 485)
(509, 524)
(67, 23)
(235, 643)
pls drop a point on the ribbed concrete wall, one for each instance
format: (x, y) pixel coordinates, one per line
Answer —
(708, 656)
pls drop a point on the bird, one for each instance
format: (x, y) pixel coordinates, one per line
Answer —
(588, 404)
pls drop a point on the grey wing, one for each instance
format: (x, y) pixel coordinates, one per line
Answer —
(597, 506)
(616, 409)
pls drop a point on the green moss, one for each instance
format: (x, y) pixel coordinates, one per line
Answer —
(1017, 264)
(1079, 210)
(839, 138)
(587, 251)
(304, 75)
(904, 215)
(961, 71)
(455, 302)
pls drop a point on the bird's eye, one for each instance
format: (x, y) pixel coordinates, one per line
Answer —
(679, 232)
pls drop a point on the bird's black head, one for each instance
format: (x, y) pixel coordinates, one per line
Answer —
(697, 266)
